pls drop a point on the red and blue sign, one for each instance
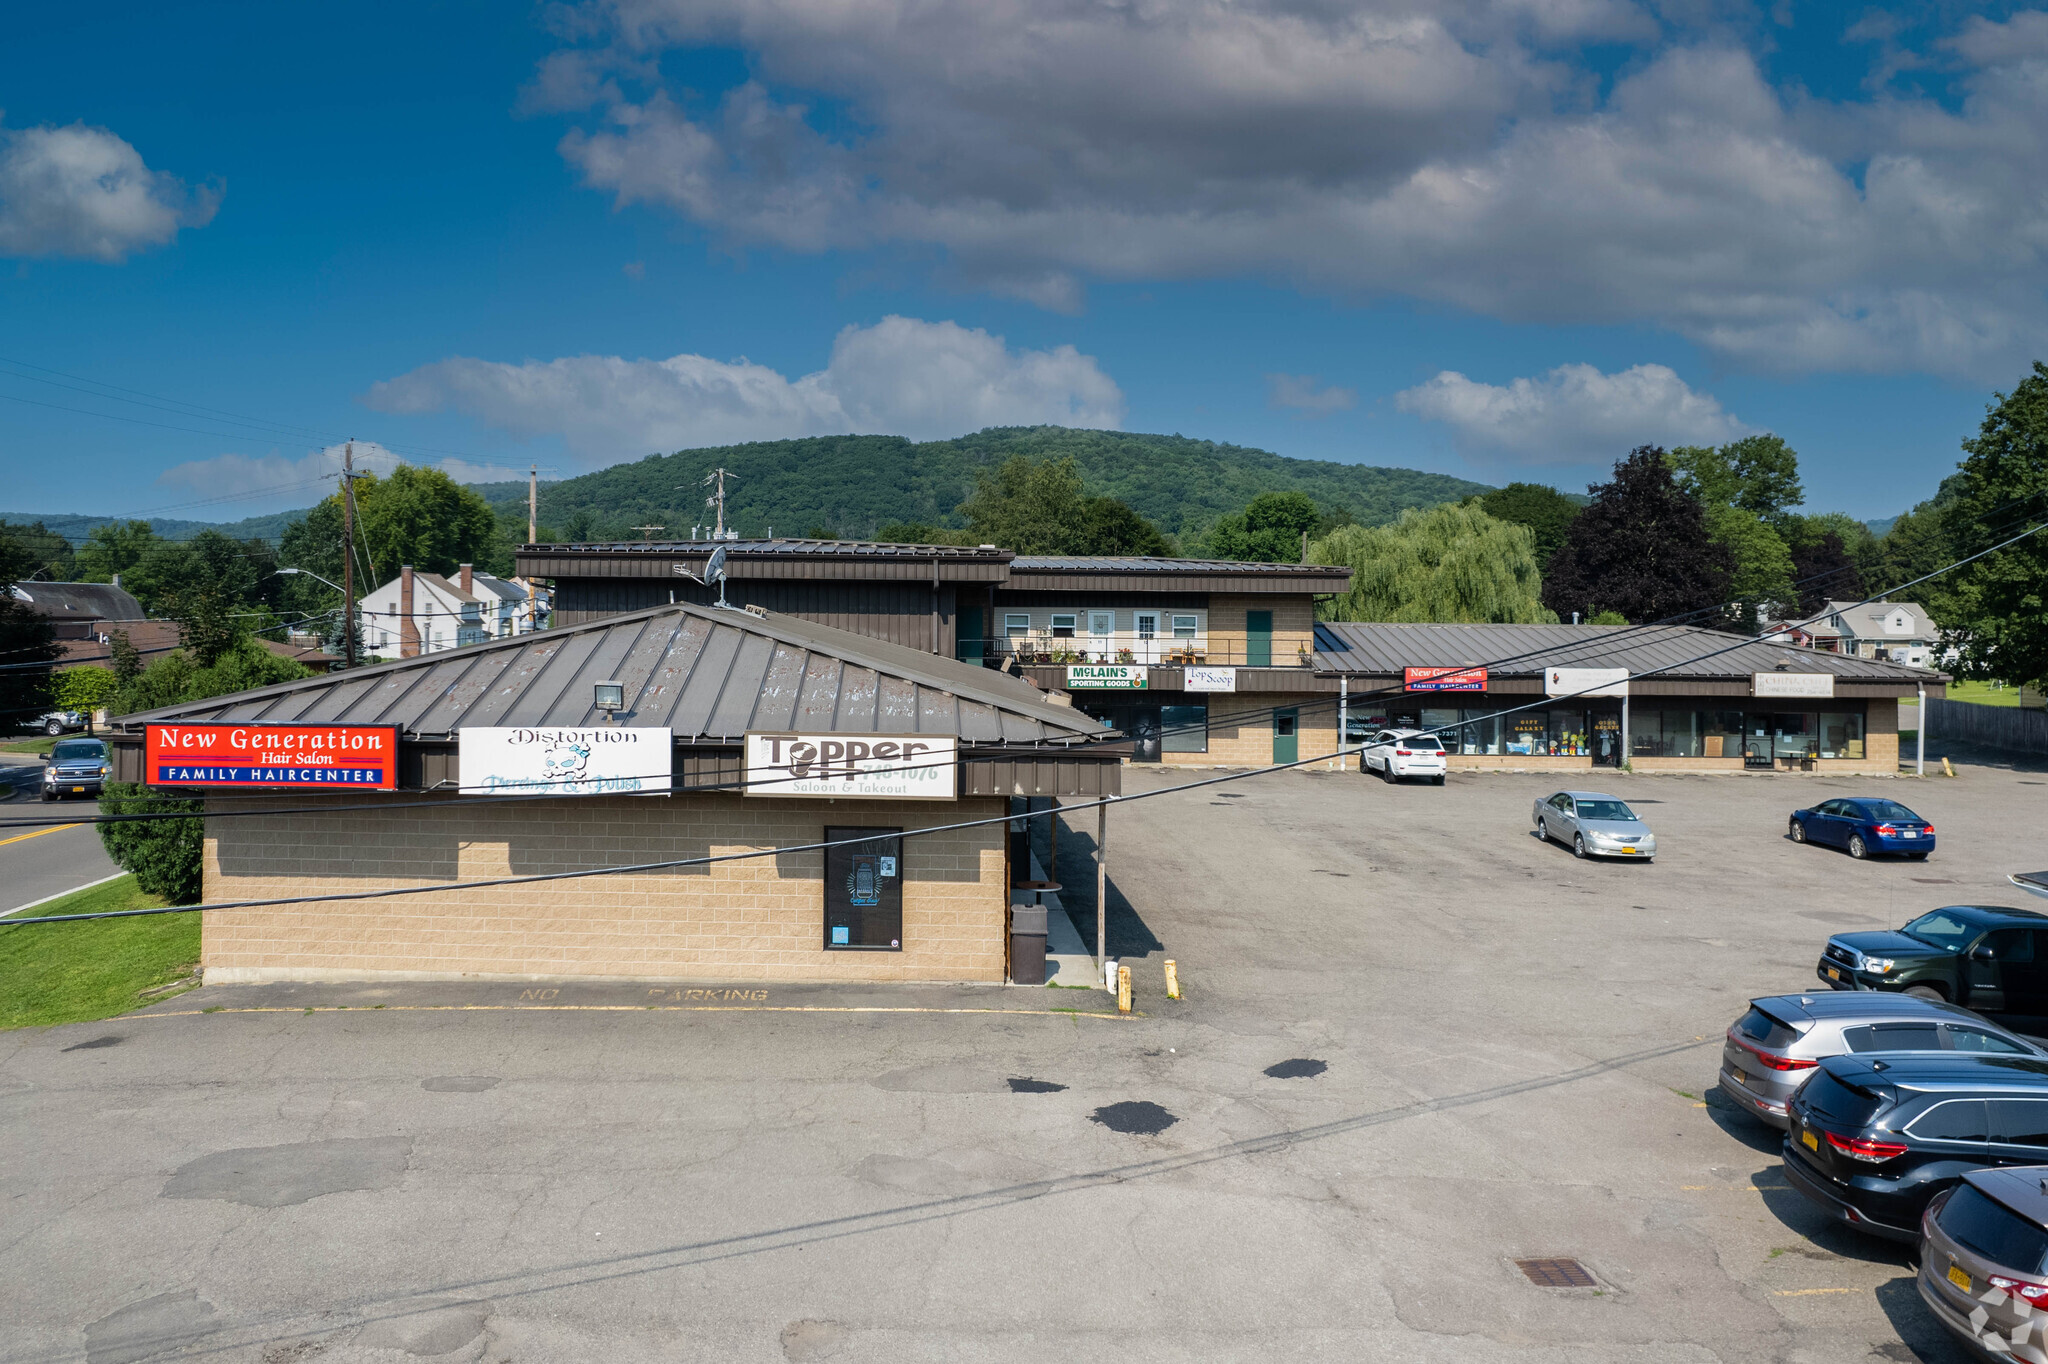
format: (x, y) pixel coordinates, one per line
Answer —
(1444, 679)
(273, 757)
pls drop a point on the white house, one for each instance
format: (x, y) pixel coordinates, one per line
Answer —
(423, 613)
(1895, 631)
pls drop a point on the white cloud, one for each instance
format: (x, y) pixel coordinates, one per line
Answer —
(901, 376)
(1299, 393)
(1458, 153)
(255, 484)
(1573, 415)
(81, 191)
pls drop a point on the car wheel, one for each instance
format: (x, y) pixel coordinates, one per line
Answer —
(1797, 831)
(1858, 849)
(1578, 845)
(53, 727)
(49, 795)
(1925, 992)
(1440, 782)
(1542, 831)
(1387, 773)
(1918, 857)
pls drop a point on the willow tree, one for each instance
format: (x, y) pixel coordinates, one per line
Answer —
(1451, 563)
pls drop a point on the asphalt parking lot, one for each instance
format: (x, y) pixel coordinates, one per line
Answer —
(1417, 1045)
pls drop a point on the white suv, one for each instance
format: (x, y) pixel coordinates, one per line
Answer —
(1398, 753)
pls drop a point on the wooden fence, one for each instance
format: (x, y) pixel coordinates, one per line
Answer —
(2011, 728)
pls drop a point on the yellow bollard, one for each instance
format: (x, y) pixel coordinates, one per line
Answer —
(1172, 980)
(1123, 989)
(1946, 770)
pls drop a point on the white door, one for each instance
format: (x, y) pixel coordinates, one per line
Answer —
(1147, 623)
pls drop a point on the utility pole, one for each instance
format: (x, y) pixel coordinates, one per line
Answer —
(718, 499)
(645, 531)
(533, 504)
(348, 552)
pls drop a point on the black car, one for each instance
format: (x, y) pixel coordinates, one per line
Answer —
(1874, 1137)
(1864, 827)
(1984, 957)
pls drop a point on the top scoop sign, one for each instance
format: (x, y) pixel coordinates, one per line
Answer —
(279, 757)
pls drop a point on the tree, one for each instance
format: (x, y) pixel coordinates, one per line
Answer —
(115, 549)
(424, 518)
(917, 533)
(1451, 563)
(1037, 507)
(1759, 474)
(1824, 566)
(178, 676)
(85, 689)
(1544, 510)
(1762, 565)
(32, 552)
(126, 658)
(1917, 544)
(1999, 604)
(1640, 549)
(1268, 530)
(28, 644)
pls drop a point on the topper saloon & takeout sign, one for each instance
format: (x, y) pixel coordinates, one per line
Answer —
(280, 757)
(890, 766)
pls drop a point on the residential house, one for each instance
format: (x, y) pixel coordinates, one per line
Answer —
(423, 613)
(1890, 631)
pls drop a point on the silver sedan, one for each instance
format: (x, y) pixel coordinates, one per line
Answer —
(1593, 824)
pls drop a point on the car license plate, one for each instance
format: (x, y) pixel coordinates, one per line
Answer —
(1957, 1277)
(78, 790)
(1833, 974)
(1812, 1142)
(1740, 1078)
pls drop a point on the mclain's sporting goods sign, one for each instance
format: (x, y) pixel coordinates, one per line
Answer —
(279, 757)
(899, 766)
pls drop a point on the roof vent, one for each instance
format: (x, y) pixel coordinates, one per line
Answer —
(754, 610)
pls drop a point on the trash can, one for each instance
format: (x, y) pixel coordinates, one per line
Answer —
(1027, 944)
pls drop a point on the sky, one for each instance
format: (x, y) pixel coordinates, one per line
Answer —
(1498, 240)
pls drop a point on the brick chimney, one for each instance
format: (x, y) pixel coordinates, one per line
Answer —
(408, 631)
(467, 578)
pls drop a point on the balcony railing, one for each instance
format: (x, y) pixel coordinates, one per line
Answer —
(1057, 650)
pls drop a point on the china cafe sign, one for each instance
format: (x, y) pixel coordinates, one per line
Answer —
(276, 757)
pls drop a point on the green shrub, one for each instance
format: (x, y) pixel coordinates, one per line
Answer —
(164, 854)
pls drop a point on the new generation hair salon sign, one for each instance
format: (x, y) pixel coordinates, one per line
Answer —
(861, 766)
(547, 761)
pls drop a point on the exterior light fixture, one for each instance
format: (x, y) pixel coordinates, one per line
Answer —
(610, 697)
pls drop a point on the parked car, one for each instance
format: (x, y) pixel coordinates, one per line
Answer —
(1771, 1050)
(1864, 827)
(1399, 753)
(55, 722)
(1984, 1261)
(1874, 1138)
(1593, 824)
(1985, 957)
(76, 767)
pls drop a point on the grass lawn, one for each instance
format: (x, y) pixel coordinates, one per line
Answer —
(39, 744)
(1984, 694)
(73, 973)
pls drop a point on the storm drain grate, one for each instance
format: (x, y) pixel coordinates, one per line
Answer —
(1556, 1273)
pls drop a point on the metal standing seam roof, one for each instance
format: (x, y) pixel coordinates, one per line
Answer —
(708, 674)
(1528, 650)
(781, 546)
(1134, 563)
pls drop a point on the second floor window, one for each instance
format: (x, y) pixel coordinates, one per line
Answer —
(1017, 624)
(1183, 627)
(1063, 627)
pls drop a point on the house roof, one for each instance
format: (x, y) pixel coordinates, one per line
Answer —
(1864, 620)
(152, 639)
(709, 674)
(81, 601)
(1528, 650)
(497, 587)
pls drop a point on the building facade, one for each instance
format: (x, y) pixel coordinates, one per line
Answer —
(423, 613)
(692, 685)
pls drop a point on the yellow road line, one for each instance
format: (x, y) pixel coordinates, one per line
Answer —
(56, 829)
(623, 1009)
(1811, 1292)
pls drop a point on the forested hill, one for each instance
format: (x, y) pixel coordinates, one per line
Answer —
(851, 485)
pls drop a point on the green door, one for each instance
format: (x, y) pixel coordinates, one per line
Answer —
(1286, 743)
(1258, 639)
(968, 642)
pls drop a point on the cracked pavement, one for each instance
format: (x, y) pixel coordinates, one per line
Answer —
(1518, 1054)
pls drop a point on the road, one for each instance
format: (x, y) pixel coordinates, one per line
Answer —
(1417, 1046)
(35, 863)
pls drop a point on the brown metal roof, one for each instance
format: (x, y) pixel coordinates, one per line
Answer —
(1381, 649)
(708, 674)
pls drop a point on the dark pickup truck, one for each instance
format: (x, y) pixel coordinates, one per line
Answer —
(1984, 957)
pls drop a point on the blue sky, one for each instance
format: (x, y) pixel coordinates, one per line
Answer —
(1500, 241)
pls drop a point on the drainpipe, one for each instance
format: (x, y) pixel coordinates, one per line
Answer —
(408, 630)
(1920, 735)
(1625, 761)
(1343, 719)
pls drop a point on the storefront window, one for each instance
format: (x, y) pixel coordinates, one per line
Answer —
(1445, 723)
(1526, 732)
(1568, 736)
(1795, 734)
(1184, 729)
(1841, 734)
(1664, 733)
(1480, 732)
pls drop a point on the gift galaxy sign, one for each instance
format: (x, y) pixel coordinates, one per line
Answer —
(280, 757)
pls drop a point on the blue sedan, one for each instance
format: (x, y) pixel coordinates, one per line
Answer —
(1864, 827)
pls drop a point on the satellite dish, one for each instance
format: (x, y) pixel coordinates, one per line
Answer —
(714, 567)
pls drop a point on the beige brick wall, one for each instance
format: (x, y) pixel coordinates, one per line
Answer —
(759, 919)
(1241, 728)
(1294, 626)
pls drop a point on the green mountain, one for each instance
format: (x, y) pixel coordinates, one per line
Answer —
(76, 527)
(851, 485)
